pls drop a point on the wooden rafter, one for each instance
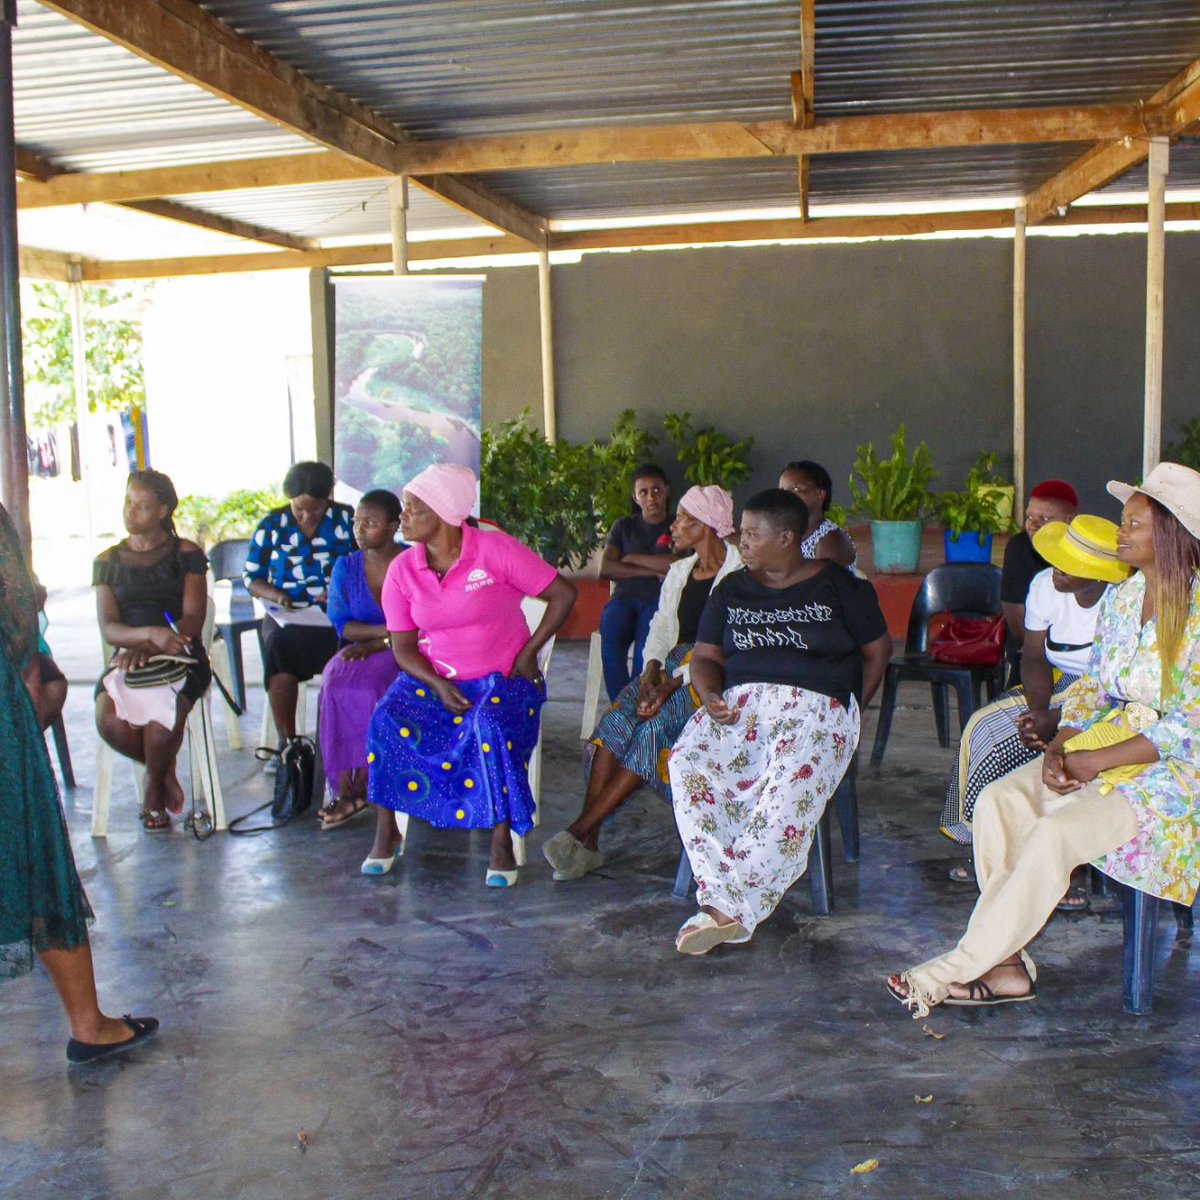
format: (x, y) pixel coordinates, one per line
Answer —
(803, 92)
(697, 234)
(186, 214)
(1167, 114)
(46, 170)
(181, 37)
(112, 187)
(762, 139)
(49, 264)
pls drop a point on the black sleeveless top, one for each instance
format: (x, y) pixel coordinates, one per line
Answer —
(146, 591)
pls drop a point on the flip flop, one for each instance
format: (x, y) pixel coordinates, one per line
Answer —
(331, 822)
(980, 995)
(701, 933)
(963, 873)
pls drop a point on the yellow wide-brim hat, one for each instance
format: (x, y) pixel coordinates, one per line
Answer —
(1086, 548)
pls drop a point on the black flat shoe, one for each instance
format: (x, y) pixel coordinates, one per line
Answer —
(143, 1028)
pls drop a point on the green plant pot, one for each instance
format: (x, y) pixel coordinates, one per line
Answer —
(896, 546)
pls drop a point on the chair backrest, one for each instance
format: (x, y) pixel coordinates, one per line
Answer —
(227, 560)
(964, 589)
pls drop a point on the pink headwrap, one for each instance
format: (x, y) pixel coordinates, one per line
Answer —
(713, 505)
(448, 489)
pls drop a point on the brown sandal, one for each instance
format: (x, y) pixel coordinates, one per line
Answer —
(154, 820)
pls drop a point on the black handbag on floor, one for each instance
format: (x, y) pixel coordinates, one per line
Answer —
(294, 778)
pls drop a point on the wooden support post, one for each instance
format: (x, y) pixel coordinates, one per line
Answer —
(1155, 262)
(82, 415)
(398, 207)
(1018, 360)
(545, 308)
(803, 112)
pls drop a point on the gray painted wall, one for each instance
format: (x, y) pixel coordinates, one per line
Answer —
(813, 349)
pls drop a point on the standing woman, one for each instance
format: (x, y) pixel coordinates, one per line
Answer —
(635, 735)
(451, 740)
(822, 539)
(290, 561)
(1141, 825)
(357, 677)
(43, 909)
(151, 599)
(637, 556)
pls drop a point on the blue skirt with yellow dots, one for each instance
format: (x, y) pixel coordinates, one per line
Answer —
(468, 771)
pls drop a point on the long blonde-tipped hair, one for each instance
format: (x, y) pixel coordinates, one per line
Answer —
(1176, 561)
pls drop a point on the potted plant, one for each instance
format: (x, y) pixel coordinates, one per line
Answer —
(975, 514)
(894, 494)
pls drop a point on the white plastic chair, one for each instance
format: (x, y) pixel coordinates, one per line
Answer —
(533, 609)
(202, 755)
(268, 733)
(593, 690)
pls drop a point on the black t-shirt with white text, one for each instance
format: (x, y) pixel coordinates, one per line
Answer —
(807, 635)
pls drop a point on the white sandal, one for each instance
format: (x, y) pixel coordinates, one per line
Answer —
(701, 933)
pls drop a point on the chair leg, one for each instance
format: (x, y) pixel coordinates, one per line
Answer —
(1140, 921)
(887, 706)
(820, 868)
(221, 669)
(941, 712)
(200, 724)
(102, 789)
(593, 687)
(683, 877)
(1185, 922)
(845, 802)
(237, 670)
(965, 689)
(59, 730)
(402, 827)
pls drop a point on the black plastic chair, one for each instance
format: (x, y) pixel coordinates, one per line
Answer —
(227, 560)
(1140, 912)
(964, 590)
(820, 858)
(58, 731)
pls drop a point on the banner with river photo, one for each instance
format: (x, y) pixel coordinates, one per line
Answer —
(408, 360)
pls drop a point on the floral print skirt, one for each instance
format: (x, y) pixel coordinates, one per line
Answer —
(748, 796)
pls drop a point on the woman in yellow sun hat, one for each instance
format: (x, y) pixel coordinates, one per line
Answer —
(1061, 610)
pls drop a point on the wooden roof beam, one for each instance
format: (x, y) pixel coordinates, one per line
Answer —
(181, 37)
(803, 92)
(152, 183)
(1167, 114)
(49, 264)
(643, 237)
(762, 139)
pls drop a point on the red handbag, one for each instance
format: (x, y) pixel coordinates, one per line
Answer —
(969, 642)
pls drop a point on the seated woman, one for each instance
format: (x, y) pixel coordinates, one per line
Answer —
(823, 539)
(636, 557)
(289, 564)
(451, 740)
(1033, 827)
(356, 678)
(151, 599)
(1051, 500)
(634, 736)
(1060, 617)
(783, 649)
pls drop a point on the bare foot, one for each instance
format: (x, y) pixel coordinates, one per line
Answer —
(175, 799)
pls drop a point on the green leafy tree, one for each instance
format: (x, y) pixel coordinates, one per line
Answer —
(114, 350)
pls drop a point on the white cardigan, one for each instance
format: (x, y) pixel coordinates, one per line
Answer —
(663, 636)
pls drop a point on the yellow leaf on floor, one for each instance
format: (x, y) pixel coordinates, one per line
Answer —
(865, 1167)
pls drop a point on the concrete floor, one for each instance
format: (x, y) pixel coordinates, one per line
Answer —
(437, 1039)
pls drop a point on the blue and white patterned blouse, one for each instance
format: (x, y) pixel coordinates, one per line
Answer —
(283, 557)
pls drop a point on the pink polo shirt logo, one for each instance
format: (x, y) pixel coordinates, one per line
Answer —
(477, 579)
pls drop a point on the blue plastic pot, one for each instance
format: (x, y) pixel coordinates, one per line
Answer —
(968, 546)
(896, 546)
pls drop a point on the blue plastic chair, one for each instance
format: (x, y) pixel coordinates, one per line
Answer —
(1140, 911)
(227, 561)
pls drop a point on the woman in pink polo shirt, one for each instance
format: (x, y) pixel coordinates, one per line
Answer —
(450, 742)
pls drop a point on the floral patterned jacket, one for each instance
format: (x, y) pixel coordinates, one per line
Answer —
(1164, 859)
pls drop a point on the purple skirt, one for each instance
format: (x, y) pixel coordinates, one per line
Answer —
(349, 693)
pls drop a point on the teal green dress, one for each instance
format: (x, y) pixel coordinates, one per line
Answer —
(42, 904)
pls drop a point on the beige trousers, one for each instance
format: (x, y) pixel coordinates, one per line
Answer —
(1028, 840)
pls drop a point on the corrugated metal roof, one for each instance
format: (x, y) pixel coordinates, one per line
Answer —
(90, 105)
(447, 68)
